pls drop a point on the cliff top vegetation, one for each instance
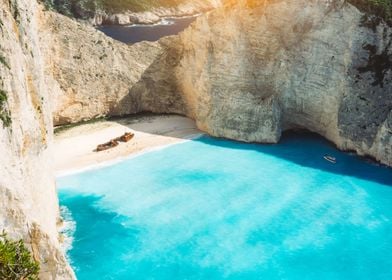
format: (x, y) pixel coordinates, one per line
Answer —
(381, 8)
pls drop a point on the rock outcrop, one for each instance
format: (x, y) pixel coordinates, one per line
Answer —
(94, 73)
(279, 65)
(28, 200)
(253, 69)
(98, 76)
(188, 8)
(108, 12)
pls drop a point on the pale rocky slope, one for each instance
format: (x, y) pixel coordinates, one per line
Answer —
(248, 71)
(98, 76)
(188, 8)
(124, 12)
(257, 68)
(94, 73)
(28, 200)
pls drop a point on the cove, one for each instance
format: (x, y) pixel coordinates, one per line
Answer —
(131, 34)
(218, 209)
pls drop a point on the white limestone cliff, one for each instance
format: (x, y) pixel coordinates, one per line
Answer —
(28, 200)
(247, 71)
(186, 8)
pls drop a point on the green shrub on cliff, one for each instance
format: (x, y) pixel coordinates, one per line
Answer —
(4, 62)
(16, 261)
(381, 8)
(5, 116)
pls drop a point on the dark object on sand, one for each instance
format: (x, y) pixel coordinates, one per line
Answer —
(330, 159)
(111, 144)
(126, 137)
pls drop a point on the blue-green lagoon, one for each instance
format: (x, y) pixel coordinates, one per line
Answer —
(218, 209)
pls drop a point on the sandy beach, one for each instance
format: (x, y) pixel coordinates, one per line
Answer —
(74, 147)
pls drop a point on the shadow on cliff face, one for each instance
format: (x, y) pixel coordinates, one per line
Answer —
(171, 125)
(157, 89)
(366, 106)
(308, 149)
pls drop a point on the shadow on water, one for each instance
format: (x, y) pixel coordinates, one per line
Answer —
(301, 147)
(308, 149)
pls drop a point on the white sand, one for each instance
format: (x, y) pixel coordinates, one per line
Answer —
(74, 147)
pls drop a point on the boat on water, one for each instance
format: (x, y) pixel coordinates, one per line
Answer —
(330, 159)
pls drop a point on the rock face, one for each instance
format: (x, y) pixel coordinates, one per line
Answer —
(256, 68)
(188, 8)
(97, 76)
(28, 200)
(154, 16)
(253, 69)
(94, 73)
(281, 65)
(99, 12)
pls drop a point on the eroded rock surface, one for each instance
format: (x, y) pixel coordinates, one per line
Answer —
(28, 200)
(93, 72)
(256, 68)
(252, 69)
(188, 8)
(98, 76)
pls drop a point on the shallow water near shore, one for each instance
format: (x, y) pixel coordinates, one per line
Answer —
(131, 34)
(218, 209)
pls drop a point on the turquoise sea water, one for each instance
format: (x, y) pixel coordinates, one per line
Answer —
(216, 209)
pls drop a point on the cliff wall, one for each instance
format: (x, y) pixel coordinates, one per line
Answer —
(254, 69)
(249, 71)
(100, 12)
(93, 73)
(28, 200)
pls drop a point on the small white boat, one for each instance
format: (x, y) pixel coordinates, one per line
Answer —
(331, 159)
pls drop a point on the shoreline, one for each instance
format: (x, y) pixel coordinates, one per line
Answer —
(146, 18)
(73, 147)
(68, 172)
(165, 21)
(161, 21)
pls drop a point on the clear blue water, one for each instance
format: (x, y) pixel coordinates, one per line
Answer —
(216, 209)
(136, 33)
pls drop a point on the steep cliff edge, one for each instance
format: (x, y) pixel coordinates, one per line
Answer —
(96, 75)
(252, 69)
(116, 12)
(256, 68)
(28, 200)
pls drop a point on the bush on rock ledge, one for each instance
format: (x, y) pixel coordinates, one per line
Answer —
(16, 261)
